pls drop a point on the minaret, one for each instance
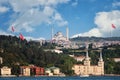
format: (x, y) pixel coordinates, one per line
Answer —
(87, 62)
(67, 34)
(101, 63)
(87, 58)
(52, 33)
(100, 59)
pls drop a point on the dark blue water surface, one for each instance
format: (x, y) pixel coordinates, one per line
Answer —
(64, 78)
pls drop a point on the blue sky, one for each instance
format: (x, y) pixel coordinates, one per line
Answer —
(34, 18)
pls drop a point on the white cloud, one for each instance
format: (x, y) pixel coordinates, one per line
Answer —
(5, 33)
(31, 13)
(48, 11)
(75, 3)
(59, 20)
(3, 9)
(103, 20)
(92, 32)
(116, 4)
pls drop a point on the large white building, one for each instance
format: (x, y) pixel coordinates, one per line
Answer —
(88, 69)
(60, 39)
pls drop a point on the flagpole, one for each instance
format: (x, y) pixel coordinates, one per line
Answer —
(111, 32)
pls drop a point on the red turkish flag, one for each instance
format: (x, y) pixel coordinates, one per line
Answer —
(113, 26)
(21, 36)
(13, 29)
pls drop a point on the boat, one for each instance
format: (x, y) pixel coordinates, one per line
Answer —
(84, 75)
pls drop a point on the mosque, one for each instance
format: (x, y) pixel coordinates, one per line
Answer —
(60, 39)
(87, 68)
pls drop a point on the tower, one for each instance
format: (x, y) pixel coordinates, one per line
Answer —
(87, 62)
(101, 63)
(67, 34)
(87, 59)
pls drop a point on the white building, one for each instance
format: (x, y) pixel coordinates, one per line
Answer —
(53, 71)
(5, 71)
(60, 39)
(57, 51)
(116, 59)
(79, 58)
(48, 72)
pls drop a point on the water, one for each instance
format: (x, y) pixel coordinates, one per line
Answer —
(64, 78)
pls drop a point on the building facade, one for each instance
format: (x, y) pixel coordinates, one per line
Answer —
(25, 70)
(31, 70)
(60, 39)
(53, 71)
(87, 69)
(5, 71)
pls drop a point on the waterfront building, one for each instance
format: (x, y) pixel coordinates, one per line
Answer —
(87, 69)
(53, 71)
(31, 70)
(37, 70)
(5, 71)
(48, 72)
(25, 70)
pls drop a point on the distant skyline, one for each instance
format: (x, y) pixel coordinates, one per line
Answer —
(34, 18)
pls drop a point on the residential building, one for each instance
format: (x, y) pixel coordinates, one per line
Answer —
(79, 58)
(48, 72)
(54, 71)
(116, 59)
(25, 70)
(31, 70)
(37, 70)
(5, 71)
(57, 51)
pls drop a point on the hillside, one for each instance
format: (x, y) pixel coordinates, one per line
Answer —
(16, 52)
(95, 39)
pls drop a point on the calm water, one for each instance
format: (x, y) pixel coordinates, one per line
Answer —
(65, 78)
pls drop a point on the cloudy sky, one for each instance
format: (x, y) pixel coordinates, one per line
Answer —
(34, 18)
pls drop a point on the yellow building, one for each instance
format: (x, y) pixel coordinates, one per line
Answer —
(5, 71)
(88, 69)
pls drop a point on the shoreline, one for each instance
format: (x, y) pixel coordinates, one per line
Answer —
(111, 74)
(57, 76)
